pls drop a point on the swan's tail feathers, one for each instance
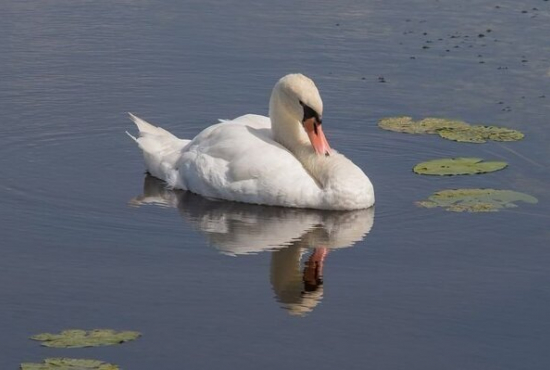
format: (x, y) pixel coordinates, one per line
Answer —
(145, 127)
(161, 150)
(132, 136)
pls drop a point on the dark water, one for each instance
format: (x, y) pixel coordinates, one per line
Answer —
(214, 285)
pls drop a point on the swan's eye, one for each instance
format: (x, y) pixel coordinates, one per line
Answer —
(309, 113)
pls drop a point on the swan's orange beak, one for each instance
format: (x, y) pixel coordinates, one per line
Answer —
(316, 136)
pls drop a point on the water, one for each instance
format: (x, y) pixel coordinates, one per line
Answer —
(215, 285)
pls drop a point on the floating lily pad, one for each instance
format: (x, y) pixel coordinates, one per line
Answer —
(476, 200)
(69, 364)
(450, 129)
(457, 166)
(480, 134)
(425, 126)
(433, 125)
(83, 338)
(397, 124)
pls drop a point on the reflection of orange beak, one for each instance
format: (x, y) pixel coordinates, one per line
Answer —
(313, 271)
(316, 136)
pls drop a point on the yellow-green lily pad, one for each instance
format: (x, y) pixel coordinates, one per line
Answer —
(476, 200)
(68, 364)
(425, 126)
(82, 338)
(457, 166)
(433, 125)
(480, 134)
(450, 129)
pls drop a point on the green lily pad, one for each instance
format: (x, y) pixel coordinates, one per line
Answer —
(433, 125)
(450, 129)
(476, 200)
(83, 338)
(397, 124)
(457, 166)
(68, 364)
(425, 126)
(480, 134)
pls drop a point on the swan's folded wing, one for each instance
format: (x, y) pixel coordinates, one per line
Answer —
(238, 160)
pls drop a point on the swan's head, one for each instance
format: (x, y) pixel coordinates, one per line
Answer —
(298, 97)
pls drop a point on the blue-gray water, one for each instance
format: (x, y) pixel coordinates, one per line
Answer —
(425, 289)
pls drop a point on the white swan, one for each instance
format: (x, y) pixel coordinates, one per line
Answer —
(284, 160)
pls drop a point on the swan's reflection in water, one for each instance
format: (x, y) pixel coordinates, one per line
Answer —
(240, 229)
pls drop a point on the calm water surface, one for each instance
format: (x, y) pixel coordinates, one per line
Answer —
(88, 241)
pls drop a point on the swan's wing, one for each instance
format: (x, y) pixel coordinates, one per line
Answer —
(238, 160)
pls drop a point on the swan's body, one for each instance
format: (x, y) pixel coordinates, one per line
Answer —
(283, 160)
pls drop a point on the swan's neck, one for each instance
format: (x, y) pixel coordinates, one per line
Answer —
(288, 131)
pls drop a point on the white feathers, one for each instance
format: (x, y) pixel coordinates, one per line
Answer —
(161, 150)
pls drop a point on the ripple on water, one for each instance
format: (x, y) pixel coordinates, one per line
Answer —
(59, 181)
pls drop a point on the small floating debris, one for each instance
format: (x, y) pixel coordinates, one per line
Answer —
(450, 129)
(69, 364)
(458, 166)
(82, 338)
(476, 200)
